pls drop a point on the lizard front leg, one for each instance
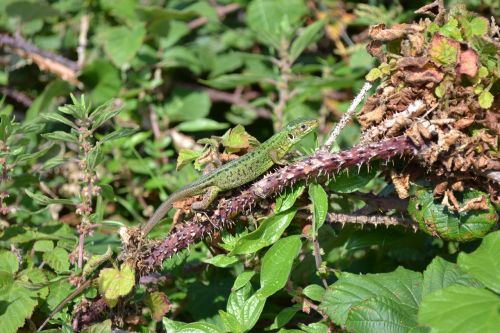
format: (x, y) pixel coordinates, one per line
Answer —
(276, 160)
(209, 196)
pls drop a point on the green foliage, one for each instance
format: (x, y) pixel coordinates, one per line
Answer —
(437, 219)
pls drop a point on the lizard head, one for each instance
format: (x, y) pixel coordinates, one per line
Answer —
(299, 128)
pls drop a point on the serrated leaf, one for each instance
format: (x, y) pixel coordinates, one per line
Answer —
(441, 274)
(186, 156)
(61, 136)
(444, 50)
(373, 74)
(8, 262)
(43, 245)
(18, 305)
(319, 200)
(114, 283)
(437, 220)
(308, 36)
(478, 26)
(483, 263)
(277, 265)
(461, 309)
(314, 292)
(266, 234)
(402, 286)
(158, 303)
(486, 99)
(57, 259)
(381, 314)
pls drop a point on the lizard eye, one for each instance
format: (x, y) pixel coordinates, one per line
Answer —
(303, 127)
(290, 136)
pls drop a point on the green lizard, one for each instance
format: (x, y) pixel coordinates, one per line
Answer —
(237, 172)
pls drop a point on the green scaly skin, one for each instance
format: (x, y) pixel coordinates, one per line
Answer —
(237, 172)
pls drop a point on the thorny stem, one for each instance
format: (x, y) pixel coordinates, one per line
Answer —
(320, 165)
(4, 175)
(346, 117)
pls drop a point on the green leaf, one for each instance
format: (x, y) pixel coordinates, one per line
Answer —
(103, 327)
(102, 79)
(191, 106)
(118, 134)
(287, 199)
(31, 10)
(43, 246)
(158, 303)
(277, 265)
(252, 311)
(374, 74)
(231, 323)
(319, 199)
(58, 259)
(221, 260)
(8, 262)
(61, 136)
(197, 327)
(284, 316)
(57, 117)
(266, 234)
(402, 286)
(102, 114)
(17, 305)
(273, 20)
(37, 154)
(314, 292)
(122, 43)
(381, 314)
(461, 309)
(483, 263)
(437, 220)
(237, 138)
(478, 26)
(114, 283)
(242, 279)
(308, 36)
(352, 180)
(486, 99)
(6, 282)
(44, 101)
(234, 80)
(202, 124)
(186, 156)
(44, 200)
(444, 50)
(441, 274)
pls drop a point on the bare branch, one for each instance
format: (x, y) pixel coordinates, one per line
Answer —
(346, 117)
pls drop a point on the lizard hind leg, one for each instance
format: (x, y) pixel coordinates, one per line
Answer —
(208, 197)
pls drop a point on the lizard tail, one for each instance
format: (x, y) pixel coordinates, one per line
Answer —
(158, 215)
